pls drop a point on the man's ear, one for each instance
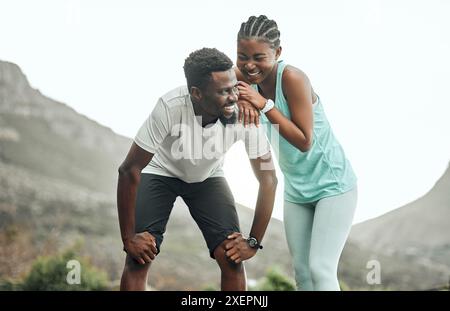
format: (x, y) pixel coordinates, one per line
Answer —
(278, 52)
(196, 93)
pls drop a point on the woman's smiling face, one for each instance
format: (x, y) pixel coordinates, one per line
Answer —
(256, 59)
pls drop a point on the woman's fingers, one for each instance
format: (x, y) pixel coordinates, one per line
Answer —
(252, 116)
(242, 84)
(242, 91)
(241, 113)
(246, 116)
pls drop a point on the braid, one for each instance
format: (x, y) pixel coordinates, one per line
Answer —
(260, 28)
(251, 24)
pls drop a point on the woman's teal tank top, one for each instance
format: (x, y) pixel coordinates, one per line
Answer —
(320, 172)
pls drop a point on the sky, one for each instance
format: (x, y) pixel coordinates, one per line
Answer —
(381, 69)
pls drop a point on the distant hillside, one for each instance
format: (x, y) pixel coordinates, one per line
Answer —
(412, 243)
(422, 224)
(58, 179)
(51, 139)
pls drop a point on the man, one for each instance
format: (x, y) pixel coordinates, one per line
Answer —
(179, 151)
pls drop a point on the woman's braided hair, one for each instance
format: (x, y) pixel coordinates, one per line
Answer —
(260, 28)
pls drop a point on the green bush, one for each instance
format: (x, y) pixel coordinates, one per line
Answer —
(275, 280)
(8, 285)
(344, 286)
(210, 288)
(50, 273)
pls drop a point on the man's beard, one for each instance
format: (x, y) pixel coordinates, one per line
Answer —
(229, 120)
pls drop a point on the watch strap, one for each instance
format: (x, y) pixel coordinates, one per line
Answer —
(268, 106)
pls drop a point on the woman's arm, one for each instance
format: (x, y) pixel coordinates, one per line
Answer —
(298, 92)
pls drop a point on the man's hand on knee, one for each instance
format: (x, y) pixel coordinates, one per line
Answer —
(142, 247)
(238, 249)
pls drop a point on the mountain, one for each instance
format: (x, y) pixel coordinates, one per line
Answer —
(412, 243)
(422, 224)
(50, 138)
(58, 179)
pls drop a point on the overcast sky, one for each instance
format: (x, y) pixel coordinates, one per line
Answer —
(381, 68)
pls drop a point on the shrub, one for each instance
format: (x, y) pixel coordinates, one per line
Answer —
(275, 280)
(50, 273)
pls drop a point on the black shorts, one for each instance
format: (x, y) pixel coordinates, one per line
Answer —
(210, 203)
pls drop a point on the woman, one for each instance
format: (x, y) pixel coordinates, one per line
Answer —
(320, 187)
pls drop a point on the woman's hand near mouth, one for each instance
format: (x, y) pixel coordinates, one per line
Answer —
(249, 94)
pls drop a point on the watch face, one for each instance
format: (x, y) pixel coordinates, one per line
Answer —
(252, 242)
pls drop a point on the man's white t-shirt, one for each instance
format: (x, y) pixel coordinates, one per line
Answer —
(183, 149)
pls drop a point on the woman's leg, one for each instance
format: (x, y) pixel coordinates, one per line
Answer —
(298, 220)
(332, 223)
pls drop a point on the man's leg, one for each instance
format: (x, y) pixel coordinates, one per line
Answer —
(212, 206)
(233, 276)
(154, 201)
(134, 275)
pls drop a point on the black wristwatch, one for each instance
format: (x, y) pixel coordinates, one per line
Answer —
(253, 243)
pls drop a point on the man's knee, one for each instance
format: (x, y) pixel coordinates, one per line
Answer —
(224, 262)
(132, 265)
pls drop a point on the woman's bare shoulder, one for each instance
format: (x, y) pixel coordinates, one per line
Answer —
(291, 72)
(292, 77)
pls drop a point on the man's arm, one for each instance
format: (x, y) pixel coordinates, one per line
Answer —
(238, 249)
(141, 246)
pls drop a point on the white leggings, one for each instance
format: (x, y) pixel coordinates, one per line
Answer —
(316, 233)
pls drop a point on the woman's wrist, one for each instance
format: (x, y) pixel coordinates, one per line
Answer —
(262, 103)
(267, 106)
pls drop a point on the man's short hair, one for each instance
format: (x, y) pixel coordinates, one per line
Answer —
(199, 65)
